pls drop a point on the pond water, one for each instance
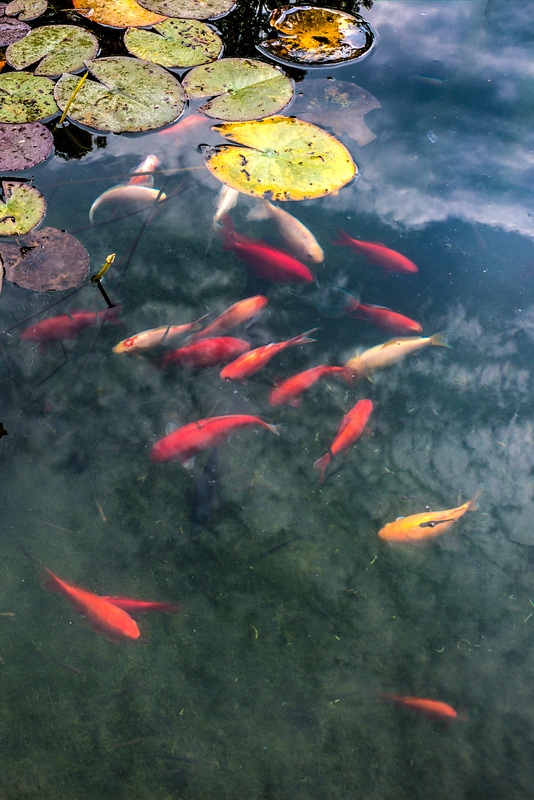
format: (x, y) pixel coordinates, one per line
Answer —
(296, 619)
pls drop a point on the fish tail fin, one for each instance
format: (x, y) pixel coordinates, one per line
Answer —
(303, 338)
(322, 464)
(49, 580)
(348, 375)
(273, 428)
(473, 503)
(112, 313)
(343, 238)
(440, 340)
(228, 232)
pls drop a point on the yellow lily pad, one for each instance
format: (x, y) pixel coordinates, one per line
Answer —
(22, 208)
(317, 37)
(175, 43)
(282, 158)
(118, 13)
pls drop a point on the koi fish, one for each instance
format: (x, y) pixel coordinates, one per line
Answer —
(235, 315)
(138, 192)
(383, 355)
(288, 390)
(149, 164)
(155, 337)
(206, 353)
(103, 616)
(67, 326)
(142, 606)
(297, 238)
(186, 126)
(431, 709)
(265, 261)
(226, 200)
(250, 363)
(350, 429)
(378, 254)
(183, 444)
(427, 525)
(382, 317)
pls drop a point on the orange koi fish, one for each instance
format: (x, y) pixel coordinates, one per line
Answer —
(67, 326)
(138, 192)
(383, 355)
(184, 443)
(289, 390)
(427, 525)
(186, 126)
(206, 353)
(154, 337)
(250, 363)
(149, 164)
(103, 616)
(378, 254)
(350, 429)
(237, 314)
(143, 606)
(431, 709)
(380, 316)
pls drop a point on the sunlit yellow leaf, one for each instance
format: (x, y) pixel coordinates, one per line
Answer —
(118, 13)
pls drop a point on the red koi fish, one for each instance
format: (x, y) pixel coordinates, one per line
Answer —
(143, 606)
(350, 429)
(236, 315)
(378, 254)
(206, 353)
(382, 317)
(289, 390)
(250, 363)
(431, 709)
(184, 443)
(265, 261)
(104, 616)
(67, 326)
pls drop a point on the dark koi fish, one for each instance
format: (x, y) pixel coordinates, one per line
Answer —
(67, 326)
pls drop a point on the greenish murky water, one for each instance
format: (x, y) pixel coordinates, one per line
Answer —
(269, 683)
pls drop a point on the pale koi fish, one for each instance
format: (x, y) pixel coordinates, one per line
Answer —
(154, 337)
(138, 192)
(297, 238)
(383, 355)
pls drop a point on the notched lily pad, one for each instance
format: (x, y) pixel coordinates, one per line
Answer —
(128, 95)
(46, 261)
(26, 9)
(117, 13)
(26, 97)
(240, 88)
(23, 146)
(182, 43)
(283, 158)
(190, 9)
(317, 37)
(22, 208)
(11, 30)
(62, 48)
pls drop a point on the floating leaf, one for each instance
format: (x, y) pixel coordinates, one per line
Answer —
(62, 48)
(26, 9)
(11, 30)
(244, 89)
(133, 96)
(118, 13)
(317, 37)
(190, 9)
(339, 105)
(183, 43)
(46, 261)
(22, 209)
(23, 146)
(283, 158)
(26, 97)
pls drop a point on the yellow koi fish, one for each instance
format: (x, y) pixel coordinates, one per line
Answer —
(383, 355)
(419, 527)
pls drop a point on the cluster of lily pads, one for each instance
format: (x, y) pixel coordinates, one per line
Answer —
(267, 155)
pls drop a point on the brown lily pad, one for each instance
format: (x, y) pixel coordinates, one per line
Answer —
(26, 9)
(24, 145)
(49, 260)
(11, 30)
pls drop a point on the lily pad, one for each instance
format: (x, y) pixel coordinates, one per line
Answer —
(283, 158)
(190, 9)
(317, 37)
(118, 13)
(46, 261)
(22, 209)
(26, 9)
(11, 30)
(62, 48)
(26, 97)
(240, 88)
(23, 146)
(182, 43)
(339, 105)
(132, 96)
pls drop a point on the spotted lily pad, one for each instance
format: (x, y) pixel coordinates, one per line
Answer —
(26, 97)
(182, 43)
(62, 48)
(26, 9)
(23, 146)
(190, 9)
(130, 95)
(283, 158)
(240, 88)
(317, 37)
(11, 30)
(45, 261)
(22, 208)
(117, 13)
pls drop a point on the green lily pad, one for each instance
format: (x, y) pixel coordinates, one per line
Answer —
(132, 96)
(26, 97)
(11, 30)
(182, 43)
(62, 48)
(117, 13)
(26, 9)
(23, 146)
(48, 260)
(190, 9)
(283, 158)
(317, 37)
(22, 209)
(240, 88)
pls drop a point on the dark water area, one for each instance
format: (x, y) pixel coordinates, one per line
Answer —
(296, 618)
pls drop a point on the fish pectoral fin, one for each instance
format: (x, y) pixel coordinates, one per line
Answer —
(433, 522)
